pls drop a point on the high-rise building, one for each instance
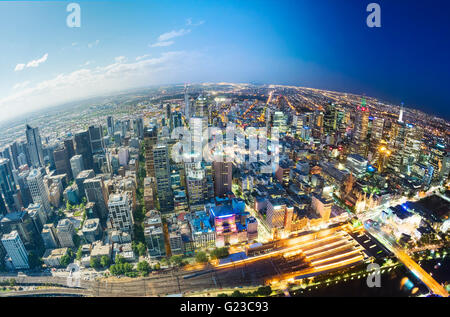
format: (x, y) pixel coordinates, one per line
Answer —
(196, 183)
(279, 215)
(330, 119)
(110, 125)
(150, 139)
(38, 190)
(96, 192)
(154, 235)
(162, 174)
(120, 212)
(21, 222)
(139, 128)
(65, 231)
(96, 139)
(62, 161)
(76, 164)
(356, 164)
(222, 177)
(7, 185)
(360, 142)
(82, 176)
(34, 144)
(70, 147)
(49, 236)
(83, 147)
(201, 111)
(14, 149)
(15, 250)
(37, 214)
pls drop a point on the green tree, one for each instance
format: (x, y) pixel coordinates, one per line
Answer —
(219, 253)
(264, 291)
(142, 249)
(105, 261)
(65, 260)
(237, 293)
(201, 257)
(95, 263)
(144, 268)
(119, 259)
(79, 253)
(34, 260)
(177, 260)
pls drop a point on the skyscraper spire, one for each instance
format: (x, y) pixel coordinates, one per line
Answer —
(400, 117)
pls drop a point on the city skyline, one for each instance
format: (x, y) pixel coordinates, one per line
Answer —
(140, 44)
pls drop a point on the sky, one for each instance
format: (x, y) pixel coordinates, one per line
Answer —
(126, 44)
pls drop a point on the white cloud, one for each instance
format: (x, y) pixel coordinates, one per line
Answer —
(142, 57)
(19, 67)
(33, 63)
(120, 59)
(74, 44)
(190, 23)
(173, 34)
(87, 63)
(85, 83)
(21, 85)
(162, 44)
(37, 62)
(91, 45)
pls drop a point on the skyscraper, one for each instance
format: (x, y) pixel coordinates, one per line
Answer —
(139, 128)
(62, 163)
(96, 139)
(15, 250)
(76, 164)
(38, 190)
(34, 146)
(65, 231)
(83, 147)
(162, 174)
(222, 177)
(120, 212)
(14, 149)
(96, 192)
(150, 139)
(110, 125)
(330, 119)
(360, 145)
(7, 185)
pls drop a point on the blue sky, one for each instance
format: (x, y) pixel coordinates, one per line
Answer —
(126, 44)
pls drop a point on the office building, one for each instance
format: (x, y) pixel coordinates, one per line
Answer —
(120, 212)
(76, 165)
(34, 144)
(49, 236)
(222, 177)
(15, 250)
(83, 147)
(65, 232)
(38, 190)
